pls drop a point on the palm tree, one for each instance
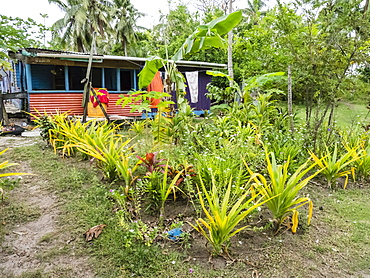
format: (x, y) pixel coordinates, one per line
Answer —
(82, 17)
(254, 9)
(125, 16)
(98, 15)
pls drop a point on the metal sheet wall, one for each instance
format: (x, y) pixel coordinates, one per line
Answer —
(63, 102)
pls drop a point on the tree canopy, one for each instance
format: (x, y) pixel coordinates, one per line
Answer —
(16, 33)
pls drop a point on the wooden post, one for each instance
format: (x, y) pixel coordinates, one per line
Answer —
(86, 96)
(290, 99)
(3, 116)
(1, 109)
(230, 48)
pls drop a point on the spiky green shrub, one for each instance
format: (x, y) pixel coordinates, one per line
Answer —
(286, 187)
(334, 166)
(224, 210)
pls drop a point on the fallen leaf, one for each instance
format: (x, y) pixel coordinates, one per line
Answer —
(94, 232)
(20, 233)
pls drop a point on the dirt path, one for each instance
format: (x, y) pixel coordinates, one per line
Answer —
(16, 141)
(35, 248)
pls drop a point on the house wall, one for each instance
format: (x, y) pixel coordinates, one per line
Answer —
(72, 103)
(203, 103)
(54, 88)
(51, 85)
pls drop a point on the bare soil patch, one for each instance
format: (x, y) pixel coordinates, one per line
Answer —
(9, 141)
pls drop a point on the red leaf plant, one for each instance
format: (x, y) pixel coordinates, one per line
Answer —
(187, 172)
(152, 163)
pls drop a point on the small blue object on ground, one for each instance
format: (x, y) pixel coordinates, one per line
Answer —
(174, 234)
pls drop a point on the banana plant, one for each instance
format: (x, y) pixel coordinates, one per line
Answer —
(206, 36)
(253, 83)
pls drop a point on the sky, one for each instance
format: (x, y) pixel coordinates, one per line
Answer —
(33, 9)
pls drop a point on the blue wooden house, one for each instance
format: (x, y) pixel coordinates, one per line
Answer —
(52, 79)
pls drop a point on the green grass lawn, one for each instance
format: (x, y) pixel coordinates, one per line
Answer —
(347, 113)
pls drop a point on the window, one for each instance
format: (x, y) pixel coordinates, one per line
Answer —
(110, 76)
(96, 77)
(52, 77)
(47, 77)
(76, 75)
(126, 80)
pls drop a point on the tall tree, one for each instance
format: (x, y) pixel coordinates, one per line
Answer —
(173, 30)
(82, 18)
(125, 16)
(207, 6)
(323, 43)
(253, 10)
(16, 33)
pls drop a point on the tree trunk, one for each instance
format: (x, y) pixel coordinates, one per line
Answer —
(124, 46)
(86, 95)
(366, 7)
(331, 115)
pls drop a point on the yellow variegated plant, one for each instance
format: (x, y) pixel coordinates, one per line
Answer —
(286, 187)
(67, 131)
(46, 121)
(165, 188)
(7, 164)
(139, 126)
(107, 150)
(4, 165)
(362, 160)
(334, 167)
(224, 211)
(99, 141)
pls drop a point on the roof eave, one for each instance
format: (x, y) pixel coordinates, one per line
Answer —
(133, 59)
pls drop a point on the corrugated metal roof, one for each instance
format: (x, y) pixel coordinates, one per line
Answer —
(79, 55)
(42, 50)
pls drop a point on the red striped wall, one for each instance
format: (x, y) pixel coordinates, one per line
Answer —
(63, 102)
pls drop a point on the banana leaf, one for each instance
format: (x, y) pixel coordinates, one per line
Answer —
(206, 36)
